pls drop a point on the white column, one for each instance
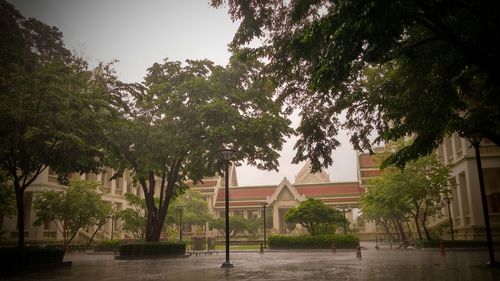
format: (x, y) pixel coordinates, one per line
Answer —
(453, 148)
(458, 193)
(474, 194)
(276, 218)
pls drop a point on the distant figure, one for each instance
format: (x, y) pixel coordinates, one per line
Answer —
(377, 247)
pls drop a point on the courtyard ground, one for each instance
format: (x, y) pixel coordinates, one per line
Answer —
(383, 264)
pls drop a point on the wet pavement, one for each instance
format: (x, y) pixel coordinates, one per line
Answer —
(381, 264)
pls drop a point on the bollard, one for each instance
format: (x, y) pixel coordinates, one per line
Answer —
(358, 251)
(334, 249)
(441, 247)
(261, 248)
(377, 247)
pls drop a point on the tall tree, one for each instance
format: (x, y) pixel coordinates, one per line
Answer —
(386, 203)
(7, 199)
(177, 121)
(396, 68)
(51, 106)
(415, 191)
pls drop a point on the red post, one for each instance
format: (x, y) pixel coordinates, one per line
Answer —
(441, 247)
(358, 251)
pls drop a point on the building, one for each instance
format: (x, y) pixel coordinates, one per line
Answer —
(466, 207)
(246, 201)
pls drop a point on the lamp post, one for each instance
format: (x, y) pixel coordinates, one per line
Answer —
(448, 201)
(225, 155)
(264, 205)
(112, 225)
(475, 141)
(180, 222)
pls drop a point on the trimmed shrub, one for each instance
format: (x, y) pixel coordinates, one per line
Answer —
(107, 246)
(313, 242)
(13, 257)
(152, 249)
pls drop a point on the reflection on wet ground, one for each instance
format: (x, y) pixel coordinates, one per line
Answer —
(375, 265)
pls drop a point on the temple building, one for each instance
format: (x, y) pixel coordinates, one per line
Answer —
(249, 201)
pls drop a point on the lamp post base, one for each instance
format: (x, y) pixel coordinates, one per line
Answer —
(492, 264)
(226, 264)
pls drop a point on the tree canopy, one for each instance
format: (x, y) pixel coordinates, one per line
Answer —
(181, 115)
(395, 68)
(71, 209)
(194, 209)
(413, 192)
(315, 216)
(52, 106)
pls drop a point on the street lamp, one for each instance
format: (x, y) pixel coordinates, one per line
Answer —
(264, 205)
(225, 155)
(475, 140)
(180, 222)
(448, 201)
(112, 225)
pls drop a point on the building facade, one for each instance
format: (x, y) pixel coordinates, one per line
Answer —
(465, 205)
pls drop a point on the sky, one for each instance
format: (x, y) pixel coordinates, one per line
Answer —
(140, 33)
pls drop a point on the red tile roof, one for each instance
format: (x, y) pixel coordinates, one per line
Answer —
(330, 189)
(246, 193)
(309, 190)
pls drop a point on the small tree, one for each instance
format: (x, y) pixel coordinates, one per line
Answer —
(315, 216)
(254, 225)
(134, 218)
(194, 209)
(237, 224)
(71, 209)
(103, 212)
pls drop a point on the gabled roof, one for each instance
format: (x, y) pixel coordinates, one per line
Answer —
(285, 184)
(305, 175)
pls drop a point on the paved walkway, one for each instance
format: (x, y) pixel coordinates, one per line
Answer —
(374, 265)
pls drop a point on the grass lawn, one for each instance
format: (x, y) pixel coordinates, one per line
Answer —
(238, 247)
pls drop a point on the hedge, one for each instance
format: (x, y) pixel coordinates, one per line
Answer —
(12, 258)
(152, 249)
(107, 246)
(313, 242)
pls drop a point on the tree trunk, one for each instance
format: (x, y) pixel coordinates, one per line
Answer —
(417, 225)
(410, 233)
(93, 235)
(426, 231)
(401, 231)
(150, 208)
(20, 215)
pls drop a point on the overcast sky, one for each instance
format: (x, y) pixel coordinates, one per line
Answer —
(140, 33)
